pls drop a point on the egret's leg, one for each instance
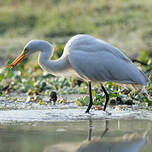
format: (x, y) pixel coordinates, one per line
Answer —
(107, 97)
(90, 94)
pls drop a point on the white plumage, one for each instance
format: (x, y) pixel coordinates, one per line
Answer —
(88, 58)
(97, 60)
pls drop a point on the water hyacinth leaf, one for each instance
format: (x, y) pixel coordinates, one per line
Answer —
(9, 74)
(83, 101)
(27, 85)
(96, 102)
(150, 76)
(80, 102)
(42, 102)
(82, 90)
(87, 100)
(42, 85)
(93, 93)
(129, 102)
(77, 102)
(143, 56)
(109, 84)
(1, 77)
(113, 102)
(150, 86)
(122, 96)
(100, 97)
(145, 99)
(113, 93)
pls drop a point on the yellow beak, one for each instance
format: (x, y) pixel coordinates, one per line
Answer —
(16, 61)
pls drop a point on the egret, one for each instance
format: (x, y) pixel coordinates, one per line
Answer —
(87, 58)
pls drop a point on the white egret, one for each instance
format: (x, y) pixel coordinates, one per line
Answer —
(87, 58)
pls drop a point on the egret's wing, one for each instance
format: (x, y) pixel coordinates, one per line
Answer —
(105, 66)
(89, 44)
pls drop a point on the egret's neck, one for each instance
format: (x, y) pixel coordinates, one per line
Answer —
(54, 67)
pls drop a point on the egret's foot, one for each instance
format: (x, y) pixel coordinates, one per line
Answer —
(87, 111)
(108, 113)
(54, 103)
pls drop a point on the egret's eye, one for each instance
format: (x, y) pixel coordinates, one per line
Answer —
(26, 50)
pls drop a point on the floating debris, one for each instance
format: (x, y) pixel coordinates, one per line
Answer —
(63, 100)
(35, 98)
(97, 107)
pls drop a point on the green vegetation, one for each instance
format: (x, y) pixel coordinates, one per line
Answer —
(124, 23)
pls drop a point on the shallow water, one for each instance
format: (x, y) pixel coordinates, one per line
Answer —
(30, 127)
(77, 136)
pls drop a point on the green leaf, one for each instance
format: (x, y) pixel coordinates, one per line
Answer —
(78, 103)
(87, 100)
(10, 74)
(1, 77)
(93, 93)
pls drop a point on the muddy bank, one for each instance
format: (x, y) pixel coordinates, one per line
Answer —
(70, 113)
(23, 111)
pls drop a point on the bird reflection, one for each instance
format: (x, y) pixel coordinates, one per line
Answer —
(91, 126)
(126, 143)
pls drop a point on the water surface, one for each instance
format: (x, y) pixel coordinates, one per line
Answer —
(77, 136)
(31, 127)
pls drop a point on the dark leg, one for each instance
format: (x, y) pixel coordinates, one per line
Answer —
(90, 94)
(107, 97)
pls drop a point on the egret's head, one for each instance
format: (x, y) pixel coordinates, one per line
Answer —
(31, 47)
